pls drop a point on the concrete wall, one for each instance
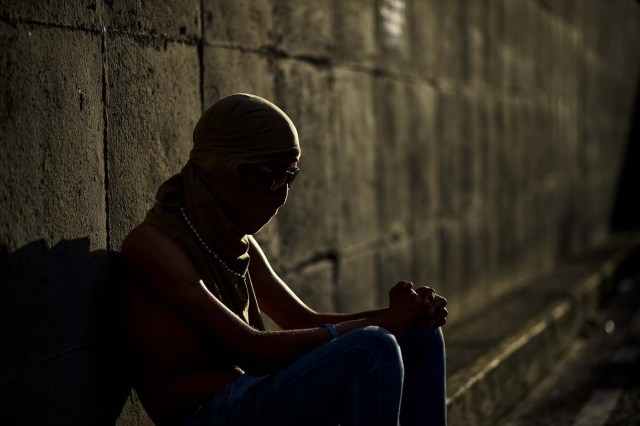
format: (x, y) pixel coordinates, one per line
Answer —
(463, 144)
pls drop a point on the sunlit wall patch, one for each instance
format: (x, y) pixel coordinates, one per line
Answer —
(393, 22)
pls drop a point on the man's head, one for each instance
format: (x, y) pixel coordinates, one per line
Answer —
(246, 150)
(247, 128)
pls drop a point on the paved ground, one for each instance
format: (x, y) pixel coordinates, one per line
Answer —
(597, 383)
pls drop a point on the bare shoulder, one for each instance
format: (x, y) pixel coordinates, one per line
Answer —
(142, 239)
(142, 234)
(152, 254)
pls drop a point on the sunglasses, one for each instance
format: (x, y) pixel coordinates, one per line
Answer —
(279, 177)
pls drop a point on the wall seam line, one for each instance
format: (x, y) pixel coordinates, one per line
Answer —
(105, 140)
(201, 45)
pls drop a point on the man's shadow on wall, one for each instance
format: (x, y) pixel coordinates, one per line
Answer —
(64, 352)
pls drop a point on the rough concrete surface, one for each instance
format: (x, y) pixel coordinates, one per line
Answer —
(392, 177)
(53, 234)
(225, 73)
(314, 284)
(175, 19)
(469, 146)
(393, 264)
(57, 12)
(356, 278)
(355, 28)
(152, 110)
(355, 158)
(451, 43)
(424, 200)
(422, 30)
(305, 28)
(493, 363)
(249, 24)
(308, 220)
(52, 132)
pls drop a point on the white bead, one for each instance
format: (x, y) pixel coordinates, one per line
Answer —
(206, 247)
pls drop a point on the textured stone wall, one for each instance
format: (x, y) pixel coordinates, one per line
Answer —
(463, 144)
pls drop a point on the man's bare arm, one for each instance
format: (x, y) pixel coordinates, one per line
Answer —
(282, 305)
(164, 266)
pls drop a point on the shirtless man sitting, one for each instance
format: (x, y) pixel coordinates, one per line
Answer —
(197, 281)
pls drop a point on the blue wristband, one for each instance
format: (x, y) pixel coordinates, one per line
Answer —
(332, 330)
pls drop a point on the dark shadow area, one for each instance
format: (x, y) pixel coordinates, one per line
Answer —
(626, 210)
(64, 355)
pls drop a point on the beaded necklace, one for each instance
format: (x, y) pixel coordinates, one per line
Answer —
(211, 252)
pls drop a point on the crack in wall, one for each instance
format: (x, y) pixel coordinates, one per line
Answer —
(105, 140)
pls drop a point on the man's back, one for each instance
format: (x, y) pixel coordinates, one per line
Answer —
(176, 368)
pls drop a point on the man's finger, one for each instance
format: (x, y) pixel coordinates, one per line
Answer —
(427, 293)
(437, 305)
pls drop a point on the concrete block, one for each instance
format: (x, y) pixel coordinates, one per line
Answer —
(554, 64)
(472, 249)
(508, 150)
(152, 110)
(450, 255)
(53, 262)
(608, 28)
(543, 49)
(535, 145)
(57, 350)
(495, 40)
(423, 31)
(490, 236)
(249, 24)
(394, 264)
(357, 282)
(57, 391)
(564, 10)
(60, 12)
(47, 300)
(392, 156)
(426, 260)
(495, 135)
(468, 156)
(528, 152)
(393, 35)
(507, 250)
(477, 19)
(423, 158)
(307, 224)
(225, 73)
(315, 285)
(517, 134)
(454, 178)
(168, 18)
(518, 45)
(480, 152)
(355, 34)
(452, 40)
(305, 28)
(355, 172)
(52, 179)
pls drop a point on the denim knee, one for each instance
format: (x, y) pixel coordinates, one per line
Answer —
(381, 346)
(423, 336)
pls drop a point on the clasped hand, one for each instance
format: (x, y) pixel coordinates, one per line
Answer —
(420, 307)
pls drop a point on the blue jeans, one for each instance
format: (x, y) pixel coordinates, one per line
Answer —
(356, 379)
